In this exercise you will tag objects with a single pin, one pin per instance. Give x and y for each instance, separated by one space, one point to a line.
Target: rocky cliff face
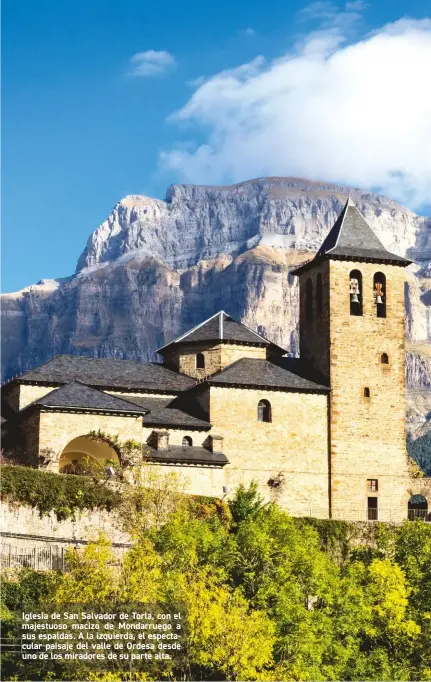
155 268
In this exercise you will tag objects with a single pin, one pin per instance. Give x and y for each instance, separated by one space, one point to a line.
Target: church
324 434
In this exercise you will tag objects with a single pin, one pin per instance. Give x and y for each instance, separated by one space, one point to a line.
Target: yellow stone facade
217 357
368 434
337 452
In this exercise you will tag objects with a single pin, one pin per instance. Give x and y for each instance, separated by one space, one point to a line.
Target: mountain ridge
155 268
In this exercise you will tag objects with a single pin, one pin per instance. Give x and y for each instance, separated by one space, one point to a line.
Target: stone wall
57 429
196 480
183 358
176 435
367 433
28 447
26 521
314 339
29 393
293 448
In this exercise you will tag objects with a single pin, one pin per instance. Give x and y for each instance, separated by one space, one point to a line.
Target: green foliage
48 492
125 450
263 596
420 451
246 503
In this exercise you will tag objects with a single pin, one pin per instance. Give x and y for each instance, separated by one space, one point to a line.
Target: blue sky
84 124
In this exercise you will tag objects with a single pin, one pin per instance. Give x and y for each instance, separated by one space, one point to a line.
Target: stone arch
379 293
417 508
264 411
355 290
418 486
81 453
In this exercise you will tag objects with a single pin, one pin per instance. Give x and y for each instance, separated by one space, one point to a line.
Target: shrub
48 492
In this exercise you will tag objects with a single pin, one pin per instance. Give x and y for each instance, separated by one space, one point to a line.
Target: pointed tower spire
352 238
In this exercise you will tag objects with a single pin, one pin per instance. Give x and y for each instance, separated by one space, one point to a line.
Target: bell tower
352 332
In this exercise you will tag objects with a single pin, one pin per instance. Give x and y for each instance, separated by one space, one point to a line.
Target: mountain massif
155 268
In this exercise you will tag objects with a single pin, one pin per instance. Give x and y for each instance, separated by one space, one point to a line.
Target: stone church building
324 434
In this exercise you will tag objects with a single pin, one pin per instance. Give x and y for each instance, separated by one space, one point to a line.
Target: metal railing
423 514
44 554
366 514
44 558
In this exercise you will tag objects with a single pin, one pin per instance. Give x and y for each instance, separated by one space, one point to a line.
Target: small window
319 294
309 301
373 509
367 392
379 293
372 484
356 293
187 442
264 411
384 359
200 361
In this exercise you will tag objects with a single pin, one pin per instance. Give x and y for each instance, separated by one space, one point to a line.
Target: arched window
384 359
356 293
200 361
367 392
319 294
417 508
264 411
309 301
379 292
187 442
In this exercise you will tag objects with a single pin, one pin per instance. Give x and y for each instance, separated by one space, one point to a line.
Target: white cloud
357 112
151 63
248 32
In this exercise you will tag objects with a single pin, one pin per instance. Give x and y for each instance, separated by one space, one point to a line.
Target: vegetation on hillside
263 596
420 451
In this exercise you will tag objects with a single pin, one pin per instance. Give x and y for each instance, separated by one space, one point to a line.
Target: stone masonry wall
23 520
176 435
28 451
217 357
10 394
314 333
294 445
29 393
368 435
197 480
57 429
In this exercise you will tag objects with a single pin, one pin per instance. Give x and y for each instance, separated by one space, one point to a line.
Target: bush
47 492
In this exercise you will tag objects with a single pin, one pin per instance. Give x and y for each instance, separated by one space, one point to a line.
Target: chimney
161 439
216 444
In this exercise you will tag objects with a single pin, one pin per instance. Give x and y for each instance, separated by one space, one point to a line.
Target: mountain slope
155 268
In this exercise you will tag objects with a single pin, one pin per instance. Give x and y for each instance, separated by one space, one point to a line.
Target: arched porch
84 455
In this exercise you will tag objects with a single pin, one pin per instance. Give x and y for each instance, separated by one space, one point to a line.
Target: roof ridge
343 213
179 338
92 389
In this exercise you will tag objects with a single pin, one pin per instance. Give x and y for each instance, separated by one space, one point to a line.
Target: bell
379 299
355 298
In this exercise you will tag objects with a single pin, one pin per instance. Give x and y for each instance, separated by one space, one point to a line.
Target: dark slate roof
351 237
221 327
109 373
161 414
254 372
78 396
176 454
